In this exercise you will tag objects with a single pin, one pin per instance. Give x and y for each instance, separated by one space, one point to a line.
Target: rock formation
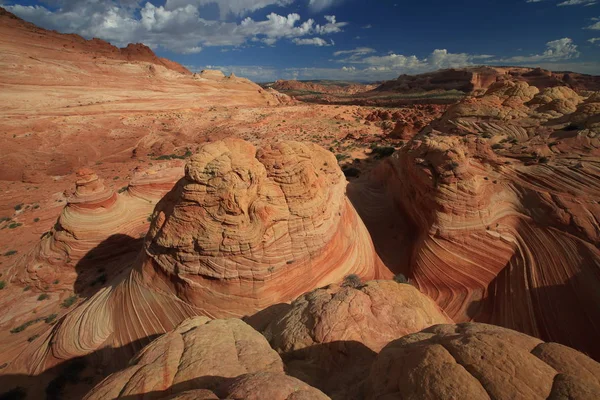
478 361
329 337
203 357
96 225
244 229
488 214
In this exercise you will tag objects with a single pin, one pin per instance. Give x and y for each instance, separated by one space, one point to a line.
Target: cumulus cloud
228 7
177 26
561 49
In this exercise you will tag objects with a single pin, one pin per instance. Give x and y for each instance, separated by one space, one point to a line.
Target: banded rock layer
243 230
492 211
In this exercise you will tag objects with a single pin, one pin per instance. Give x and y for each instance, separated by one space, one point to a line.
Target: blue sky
338 39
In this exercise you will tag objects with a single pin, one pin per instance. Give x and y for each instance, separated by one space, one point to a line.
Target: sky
356 40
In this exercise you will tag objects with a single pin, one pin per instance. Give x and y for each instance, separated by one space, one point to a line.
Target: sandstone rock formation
478 361
473 80
200 357
244 229
486 212
329 337
95 216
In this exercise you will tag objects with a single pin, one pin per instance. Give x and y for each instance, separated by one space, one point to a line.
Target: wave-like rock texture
492 211
479 361
97 225
243 230
207 358
330 336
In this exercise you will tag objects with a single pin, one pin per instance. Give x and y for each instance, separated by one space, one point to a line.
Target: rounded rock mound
246 229
205 359
330 336
479 361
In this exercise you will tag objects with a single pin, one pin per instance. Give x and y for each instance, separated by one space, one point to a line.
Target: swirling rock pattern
95 216
243 230
330 336
488 214
475 361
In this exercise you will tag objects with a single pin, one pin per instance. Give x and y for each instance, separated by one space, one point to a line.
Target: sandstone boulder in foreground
331 335
203 359
479 361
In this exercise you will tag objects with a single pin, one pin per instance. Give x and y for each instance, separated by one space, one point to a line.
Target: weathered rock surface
243 230
330 336
201 359
478 361
492 211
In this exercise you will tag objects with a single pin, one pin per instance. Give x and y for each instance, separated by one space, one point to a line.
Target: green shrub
36 220
50 318
32 338
543 160
496 146
2 285
353 281
43 296
69 301
14 225
400 278
24 326
10 253
18 207
26 288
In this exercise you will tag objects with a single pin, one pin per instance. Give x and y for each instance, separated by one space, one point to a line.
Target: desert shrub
69 301
43 296
26 288
486 135
10 253
400 278
14 225
2 284
25 325
36 220
543 160
352 281
18 207
496 146
32 338
382 152
50 318
341 157
513 141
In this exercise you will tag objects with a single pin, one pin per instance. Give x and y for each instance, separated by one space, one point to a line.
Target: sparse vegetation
43 296
2 284
50 318
69 301
400 278
32 338
123 189
14 225
10 253
352 281
543 160
36 220
26 288
497 146
25 325
486 135
18 207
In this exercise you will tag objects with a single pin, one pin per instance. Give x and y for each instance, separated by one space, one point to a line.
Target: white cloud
177 26
316 41
596 26
594 40
556 50
229 7
578 3
319 5
359 51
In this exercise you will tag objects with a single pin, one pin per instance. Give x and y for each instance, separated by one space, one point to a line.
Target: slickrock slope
492 211
244 229
330 336
478 361
203 357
